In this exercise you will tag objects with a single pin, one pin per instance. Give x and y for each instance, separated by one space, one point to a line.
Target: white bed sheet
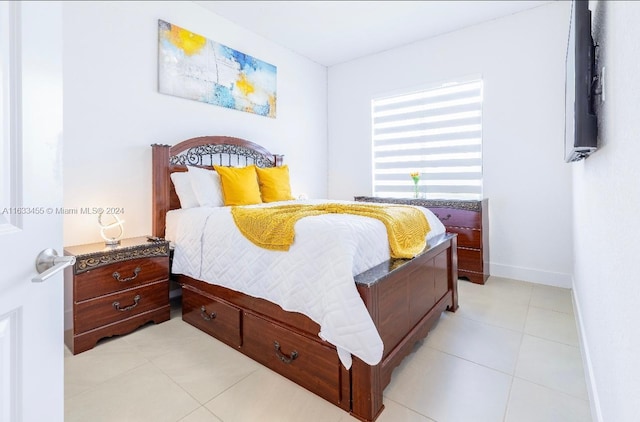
315 277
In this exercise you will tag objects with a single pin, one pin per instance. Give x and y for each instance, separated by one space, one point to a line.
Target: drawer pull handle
136 300
444 218
205 315
116 275
284 358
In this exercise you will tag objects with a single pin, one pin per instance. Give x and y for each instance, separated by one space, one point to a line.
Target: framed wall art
191 66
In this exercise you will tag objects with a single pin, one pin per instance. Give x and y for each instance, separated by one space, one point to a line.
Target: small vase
416 193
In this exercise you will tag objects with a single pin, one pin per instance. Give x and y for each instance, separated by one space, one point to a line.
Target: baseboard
532 275
594 402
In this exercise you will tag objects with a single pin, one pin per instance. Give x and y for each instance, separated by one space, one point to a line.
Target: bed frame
404 297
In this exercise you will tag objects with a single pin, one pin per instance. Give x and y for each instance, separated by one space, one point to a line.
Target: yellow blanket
273 227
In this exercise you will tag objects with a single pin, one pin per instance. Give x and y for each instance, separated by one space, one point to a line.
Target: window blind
435 132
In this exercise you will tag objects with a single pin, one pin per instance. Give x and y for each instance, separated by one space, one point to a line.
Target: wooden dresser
115 289
469 219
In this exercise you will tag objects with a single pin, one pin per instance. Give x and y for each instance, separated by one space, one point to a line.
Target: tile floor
510 353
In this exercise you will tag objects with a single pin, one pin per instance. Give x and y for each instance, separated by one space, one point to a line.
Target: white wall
607 223
521 60
113 111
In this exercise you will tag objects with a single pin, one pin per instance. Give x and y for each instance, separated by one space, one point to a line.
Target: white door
31 314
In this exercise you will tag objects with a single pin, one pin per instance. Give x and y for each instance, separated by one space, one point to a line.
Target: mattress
315 277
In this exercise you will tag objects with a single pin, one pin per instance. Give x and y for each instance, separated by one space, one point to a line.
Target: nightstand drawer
120 275
470 260
469 238
458 218
105 310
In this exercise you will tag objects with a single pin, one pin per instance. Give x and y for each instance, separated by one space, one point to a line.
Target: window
435 132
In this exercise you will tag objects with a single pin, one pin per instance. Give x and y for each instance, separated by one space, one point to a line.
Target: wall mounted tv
581 132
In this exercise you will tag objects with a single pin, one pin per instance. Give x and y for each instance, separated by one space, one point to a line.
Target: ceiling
333 32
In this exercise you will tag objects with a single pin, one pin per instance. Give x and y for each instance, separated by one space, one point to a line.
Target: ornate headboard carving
204 151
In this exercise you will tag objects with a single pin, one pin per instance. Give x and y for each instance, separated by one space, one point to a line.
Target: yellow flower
415 175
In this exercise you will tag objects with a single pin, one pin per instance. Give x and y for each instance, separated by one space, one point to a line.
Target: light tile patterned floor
510 354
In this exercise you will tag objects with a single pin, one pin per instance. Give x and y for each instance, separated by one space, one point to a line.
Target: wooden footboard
404 297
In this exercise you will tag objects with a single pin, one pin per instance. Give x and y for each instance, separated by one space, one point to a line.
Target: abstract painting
191 66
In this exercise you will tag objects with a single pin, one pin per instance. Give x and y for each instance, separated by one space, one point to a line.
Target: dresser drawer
294 356
119 276
470 260
212 316
458 218
105 310
470 238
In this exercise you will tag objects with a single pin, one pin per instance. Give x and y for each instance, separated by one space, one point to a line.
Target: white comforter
315 277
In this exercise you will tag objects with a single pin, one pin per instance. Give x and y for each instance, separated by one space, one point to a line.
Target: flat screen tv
581 132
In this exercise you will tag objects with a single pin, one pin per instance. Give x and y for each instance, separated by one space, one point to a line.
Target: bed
397 300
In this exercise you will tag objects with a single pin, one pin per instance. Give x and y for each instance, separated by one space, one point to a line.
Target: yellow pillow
274 183
239 185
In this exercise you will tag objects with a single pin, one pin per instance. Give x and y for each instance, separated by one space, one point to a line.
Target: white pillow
186 195
206 186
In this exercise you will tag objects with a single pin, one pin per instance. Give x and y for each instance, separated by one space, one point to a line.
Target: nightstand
115 289
469 219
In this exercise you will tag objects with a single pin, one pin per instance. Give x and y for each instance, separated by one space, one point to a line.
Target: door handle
49 263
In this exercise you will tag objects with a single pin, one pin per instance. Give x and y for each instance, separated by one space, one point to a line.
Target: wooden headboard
204 151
